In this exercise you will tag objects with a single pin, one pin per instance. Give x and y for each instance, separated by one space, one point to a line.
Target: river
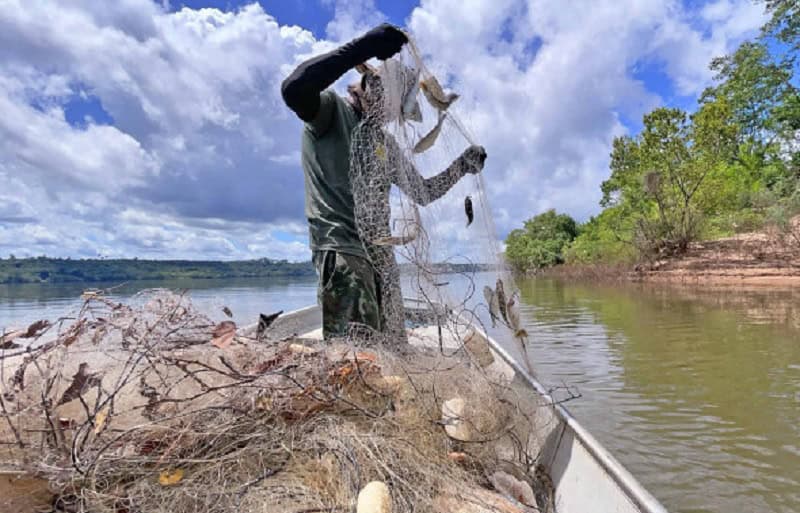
696 390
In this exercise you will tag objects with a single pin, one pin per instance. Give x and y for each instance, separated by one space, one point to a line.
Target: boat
586 477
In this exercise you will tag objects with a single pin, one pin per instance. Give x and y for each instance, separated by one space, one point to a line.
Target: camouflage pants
348 292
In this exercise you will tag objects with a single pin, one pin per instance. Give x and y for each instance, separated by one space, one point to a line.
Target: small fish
435 94
491 301
501 300
513 314
265 321
227 311
427 141
468 210
410 109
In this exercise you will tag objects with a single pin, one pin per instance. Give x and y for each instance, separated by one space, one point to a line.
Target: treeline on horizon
66 270
731 166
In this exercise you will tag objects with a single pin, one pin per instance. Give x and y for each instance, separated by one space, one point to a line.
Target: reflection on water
695 390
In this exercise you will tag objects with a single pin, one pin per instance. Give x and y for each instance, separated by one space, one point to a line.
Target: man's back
326 163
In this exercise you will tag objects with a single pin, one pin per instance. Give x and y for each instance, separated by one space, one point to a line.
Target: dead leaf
66 423
19 375
265 321
99 333
100 420
35 329
363 355
170 477
223 334
80 382
73 333
7 340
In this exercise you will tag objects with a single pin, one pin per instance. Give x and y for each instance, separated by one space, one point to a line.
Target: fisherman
350 285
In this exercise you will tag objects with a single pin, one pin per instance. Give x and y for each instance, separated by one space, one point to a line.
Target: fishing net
149 406
421 206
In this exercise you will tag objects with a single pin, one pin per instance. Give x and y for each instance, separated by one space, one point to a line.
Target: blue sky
130 129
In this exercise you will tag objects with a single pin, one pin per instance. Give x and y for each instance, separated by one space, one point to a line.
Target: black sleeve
302 88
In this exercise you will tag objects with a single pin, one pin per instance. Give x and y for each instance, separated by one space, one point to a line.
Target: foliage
542 241
730 166
600 240
57 270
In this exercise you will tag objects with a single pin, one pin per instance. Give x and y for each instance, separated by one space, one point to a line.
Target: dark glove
473 159
385 41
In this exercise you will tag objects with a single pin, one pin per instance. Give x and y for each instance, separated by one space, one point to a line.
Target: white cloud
202 160
547 85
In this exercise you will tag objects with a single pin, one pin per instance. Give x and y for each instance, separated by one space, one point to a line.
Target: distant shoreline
46 270
66 270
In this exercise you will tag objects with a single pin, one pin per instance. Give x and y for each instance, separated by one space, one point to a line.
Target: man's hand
385 41
473 159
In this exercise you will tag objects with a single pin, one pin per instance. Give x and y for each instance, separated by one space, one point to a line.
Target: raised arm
302 88
426 190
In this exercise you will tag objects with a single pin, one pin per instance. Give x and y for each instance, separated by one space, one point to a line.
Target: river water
696 390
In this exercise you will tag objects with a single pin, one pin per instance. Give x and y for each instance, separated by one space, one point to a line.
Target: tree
541 242
754 85
785 22
657 177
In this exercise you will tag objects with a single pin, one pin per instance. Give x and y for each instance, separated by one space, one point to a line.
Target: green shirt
326 164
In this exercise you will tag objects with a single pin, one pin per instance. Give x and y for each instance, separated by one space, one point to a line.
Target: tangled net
410 157
151 407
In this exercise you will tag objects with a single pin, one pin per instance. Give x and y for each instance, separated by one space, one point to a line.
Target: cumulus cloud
548 86
201 158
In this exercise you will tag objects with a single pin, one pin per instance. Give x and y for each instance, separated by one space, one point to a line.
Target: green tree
541 242
754 85
785 22
657 177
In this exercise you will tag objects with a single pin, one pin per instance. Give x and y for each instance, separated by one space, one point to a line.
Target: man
352 288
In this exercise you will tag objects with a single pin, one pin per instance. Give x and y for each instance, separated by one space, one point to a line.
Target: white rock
374 498
476 501
514 488
455 425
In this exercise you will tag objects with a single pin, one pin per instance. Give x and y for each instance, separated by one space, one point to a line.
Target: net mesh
413 166
150 406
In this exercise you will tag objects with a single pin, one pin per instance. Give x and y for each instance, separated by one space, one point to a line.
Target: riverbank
748 259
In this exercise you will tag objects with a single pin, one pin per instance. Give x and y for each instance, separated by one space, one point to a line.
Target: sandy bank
746 259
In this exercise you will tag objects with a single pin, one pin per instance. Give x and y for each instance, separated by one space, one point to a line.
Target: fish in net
408 154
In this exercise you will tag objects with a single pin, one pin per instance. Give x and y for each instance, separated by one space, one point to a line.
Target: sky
155 129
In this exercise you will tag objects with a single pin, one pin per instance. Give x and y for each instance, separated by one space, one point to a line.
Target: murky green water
695 390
